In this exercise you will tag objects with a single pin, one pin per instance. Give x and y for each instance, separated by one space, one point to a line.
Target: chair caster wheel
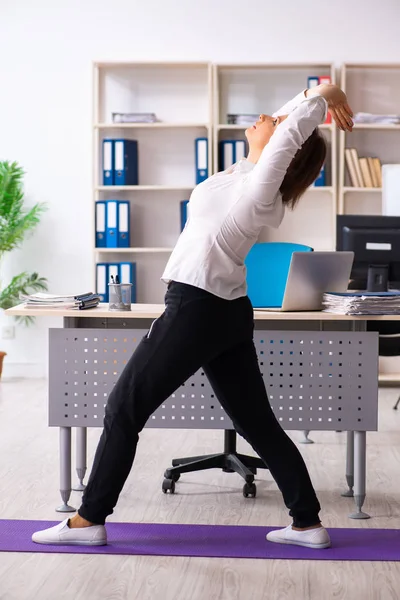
175 476
168 486
249 490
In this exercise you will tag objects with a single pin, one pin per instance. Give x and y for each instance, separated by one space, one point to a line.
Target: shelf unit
373 88
190 100
180 94
263 88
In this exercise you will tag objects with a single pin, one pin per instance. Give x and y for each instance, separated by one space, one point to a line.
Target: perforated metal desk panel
315 380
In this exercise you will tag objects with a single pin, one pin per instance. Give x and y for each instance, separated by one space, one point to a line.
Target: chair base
229 461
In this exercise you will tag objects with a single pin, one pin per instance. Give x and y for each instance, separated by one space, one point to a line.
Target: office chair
267 270
389 340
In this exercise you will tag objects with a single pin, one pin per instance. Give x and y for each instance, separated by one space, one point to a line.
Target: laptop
311 274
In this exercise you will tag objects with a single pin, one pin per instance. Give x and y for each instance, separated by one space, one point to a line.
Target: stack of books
362 303
363 171
79 302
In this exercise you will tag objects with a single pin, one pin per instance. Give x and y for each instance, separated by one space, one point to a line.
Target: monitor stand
378 278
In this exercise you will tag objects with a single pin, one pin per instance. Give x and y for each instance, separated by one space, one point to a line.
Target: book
374 174
356 164
378 170
351 168
365 172
43 300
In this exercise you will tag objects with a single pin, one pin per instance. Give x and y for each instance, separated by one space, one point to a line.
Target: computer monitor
375 241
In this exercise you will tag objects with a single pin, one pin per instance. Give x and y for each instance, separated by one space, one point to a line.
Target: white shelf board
350 189
143 250
143 188
279 66
320 188
222 127
160 125
376 126
150 64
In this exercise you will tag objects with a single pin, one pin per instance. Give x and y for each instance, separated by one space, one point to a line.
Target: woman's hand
337 104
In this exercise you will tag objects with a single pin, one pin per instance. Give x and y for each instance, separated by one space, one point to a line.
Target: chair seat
267 269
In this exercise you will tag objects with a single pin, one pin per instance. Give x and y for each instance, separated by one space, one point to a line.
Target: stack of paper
362 303
42 300
134 117
376 119
242 119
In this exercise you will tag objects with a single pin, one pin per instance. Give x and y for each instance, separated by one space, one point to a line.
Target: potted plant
15 224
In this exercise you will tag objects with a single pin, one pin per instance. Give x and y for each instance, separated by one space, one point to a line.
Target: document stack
80 302
135 117
373 119
242 119
362 303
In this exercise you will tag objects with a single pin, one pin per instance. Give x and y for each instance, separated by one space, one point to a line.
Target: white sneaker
61 534
317 538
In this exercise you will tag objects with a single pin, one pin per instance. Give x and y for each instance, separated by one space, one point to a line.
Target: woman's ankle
77 522
316 526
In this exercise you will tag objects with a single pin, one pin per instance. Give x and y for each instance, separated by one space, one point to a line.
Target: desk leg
65 469
81 445
306 439
350 465
360 456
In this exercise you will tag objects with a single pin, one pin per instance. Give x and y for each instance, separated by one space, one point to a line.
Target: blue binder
100 224
312 81
124 233
226 154
201 152
184 213
127 274
111 223
321 180
125 162
102 281
108 162
230 152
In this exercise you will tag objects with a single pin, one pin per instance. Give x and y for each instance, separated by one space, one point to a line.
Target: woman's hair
304 169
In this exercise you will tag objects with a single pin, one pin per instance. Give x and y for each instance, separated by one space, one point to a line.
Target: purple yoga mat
208 540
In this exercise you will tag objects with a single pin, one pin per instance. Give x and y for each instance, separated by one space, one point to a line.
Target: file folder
100 224
312 82
226 154
124 224
320 181
184 213
101 281
201 152
127 274
111 223
108 161
230 152
113 271
240 150
125 162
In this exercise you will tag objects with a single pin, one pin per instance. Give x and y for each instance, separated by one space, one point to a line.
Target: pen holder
119 295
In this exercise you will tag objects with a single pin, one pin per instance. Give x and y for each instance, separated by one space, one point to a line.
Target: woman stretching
208 321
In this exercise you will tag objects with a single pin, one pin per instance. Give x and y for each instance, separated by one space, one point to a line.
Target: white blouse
227 211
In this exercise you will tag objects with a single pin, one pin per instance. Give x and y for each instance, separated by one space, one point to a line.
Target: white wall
45 97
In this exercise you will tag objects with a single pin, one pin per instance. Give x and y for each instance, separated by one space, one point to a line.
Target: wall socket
8 332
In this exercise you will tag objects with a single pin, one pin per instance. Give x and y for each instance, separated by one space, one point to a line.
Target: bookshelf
263 88
191 100
180 94
373 88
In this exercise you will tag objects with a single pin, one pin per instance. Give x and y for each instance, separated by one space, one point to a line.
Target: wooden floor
29 490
